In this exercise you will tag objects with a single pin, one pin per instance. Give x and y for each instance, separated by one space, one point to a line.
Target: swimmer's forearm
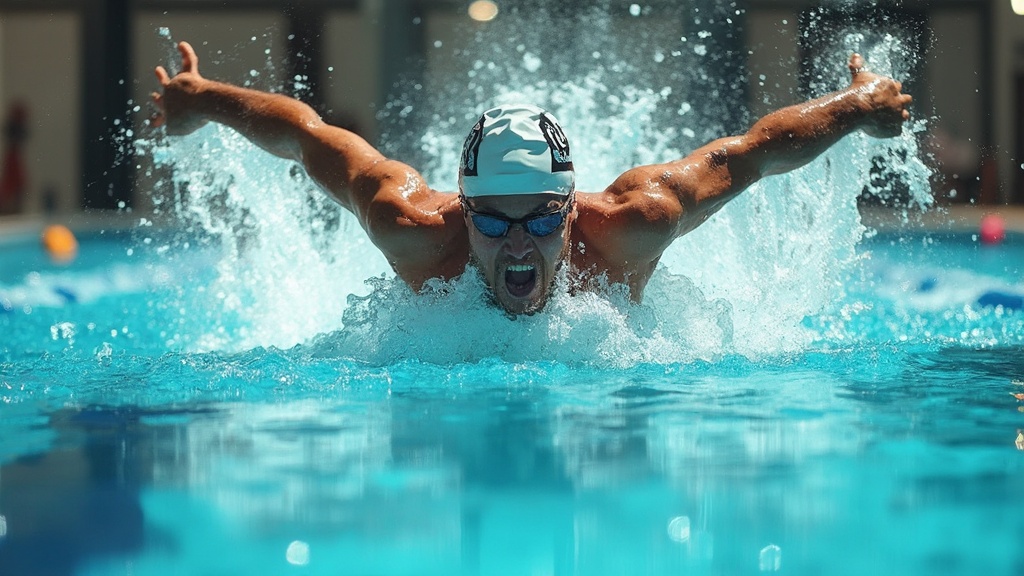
273 122
290 129
782 141
792 137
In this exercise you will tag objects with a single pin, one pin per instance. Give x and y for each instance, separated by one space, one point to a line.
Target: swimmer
518 218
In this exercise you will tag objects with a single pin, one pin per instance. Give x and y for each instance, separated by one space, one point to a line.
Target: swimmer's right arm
342 162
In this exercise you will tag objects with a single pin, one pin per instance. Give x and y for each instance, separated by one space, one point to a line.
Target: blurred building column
306 49
1007 41
106 89
400 42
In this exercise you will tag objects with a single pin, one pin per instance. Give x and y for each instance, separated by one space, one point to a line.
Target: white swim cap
516 149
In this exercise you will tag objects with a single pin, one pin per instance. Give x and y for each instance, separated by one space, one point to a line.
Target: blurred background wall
78 68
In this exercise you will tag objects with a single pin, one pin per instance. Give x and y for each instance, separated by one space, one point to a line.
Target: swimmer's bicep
710 177
335 158
636 218
413 230
356 173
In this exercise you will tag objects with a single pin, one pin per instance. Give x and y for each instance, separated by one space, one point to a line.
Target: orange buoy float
60 243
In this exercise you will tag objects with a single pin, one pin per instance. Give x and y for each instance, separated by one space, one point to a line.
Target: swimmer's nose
520 244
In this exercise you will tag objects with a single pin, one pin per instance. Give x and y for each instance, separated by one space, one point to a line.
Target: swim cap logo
561 159
471 149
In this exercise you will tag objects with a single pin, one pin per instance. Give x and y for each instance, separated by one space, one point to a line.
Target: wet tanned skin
518 255
618 233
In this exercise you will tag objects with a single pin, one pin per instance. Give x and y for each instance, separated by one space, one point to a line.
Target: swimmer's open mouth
520 279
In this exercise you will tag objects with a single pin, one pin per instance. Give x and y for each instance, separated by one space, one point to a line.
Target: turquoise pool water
885 445
246 389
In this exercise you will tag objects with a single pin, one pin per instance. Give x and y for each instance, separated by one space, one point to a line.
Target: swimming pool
249 390
885 446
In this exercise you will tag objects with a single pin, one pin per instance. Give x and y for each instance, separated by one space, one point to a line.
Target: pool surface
890 444
246 388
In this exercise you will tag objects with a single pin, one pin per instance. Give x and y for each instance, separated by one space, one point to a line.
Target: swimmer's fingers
157 118
905 100
162 76
189 60
856 64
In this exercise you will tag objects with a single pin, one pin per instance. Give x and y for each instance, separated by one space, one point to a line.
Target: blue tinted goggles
494 226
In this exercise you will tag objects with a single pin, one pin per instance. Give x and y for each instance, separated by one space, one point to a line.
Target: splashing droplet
770 559
679 529
298 553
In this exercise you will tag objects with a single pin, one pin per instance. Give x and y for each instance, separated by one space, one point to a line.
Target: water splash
293 264
455 322
288 254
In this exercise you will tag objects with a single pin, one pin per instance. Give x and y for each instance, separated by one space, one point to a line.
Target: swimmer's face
519 267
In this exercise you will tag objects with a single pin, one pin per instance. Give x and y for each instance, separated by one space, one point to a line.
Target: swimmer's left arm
784 140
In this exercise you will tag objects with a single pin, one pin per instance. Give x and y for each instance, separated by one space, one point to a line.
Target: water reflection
80 499
685 470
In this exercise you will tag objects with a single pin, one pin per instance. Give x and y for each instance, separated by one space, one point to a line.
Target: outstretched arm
343 163
665 201
791 137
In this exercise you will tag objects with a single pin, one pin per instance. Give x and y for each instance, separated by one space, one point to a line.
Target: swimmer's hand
884 103
173 103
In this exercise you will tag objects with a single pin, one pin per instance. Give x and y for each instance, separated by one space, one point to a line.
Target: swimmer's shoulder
420 213
631 222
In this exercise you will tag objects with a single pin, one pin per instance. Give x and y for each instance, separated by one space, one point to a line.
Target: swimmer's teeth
520 268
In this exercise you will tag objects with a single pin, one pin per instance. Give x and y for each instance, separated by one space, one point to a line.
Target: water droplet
634 9
679 528
105 351
298 553
770 559
531 62
3 526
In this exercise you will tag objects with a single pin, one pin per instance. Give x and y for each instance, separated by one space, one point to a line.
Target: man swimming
518 218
